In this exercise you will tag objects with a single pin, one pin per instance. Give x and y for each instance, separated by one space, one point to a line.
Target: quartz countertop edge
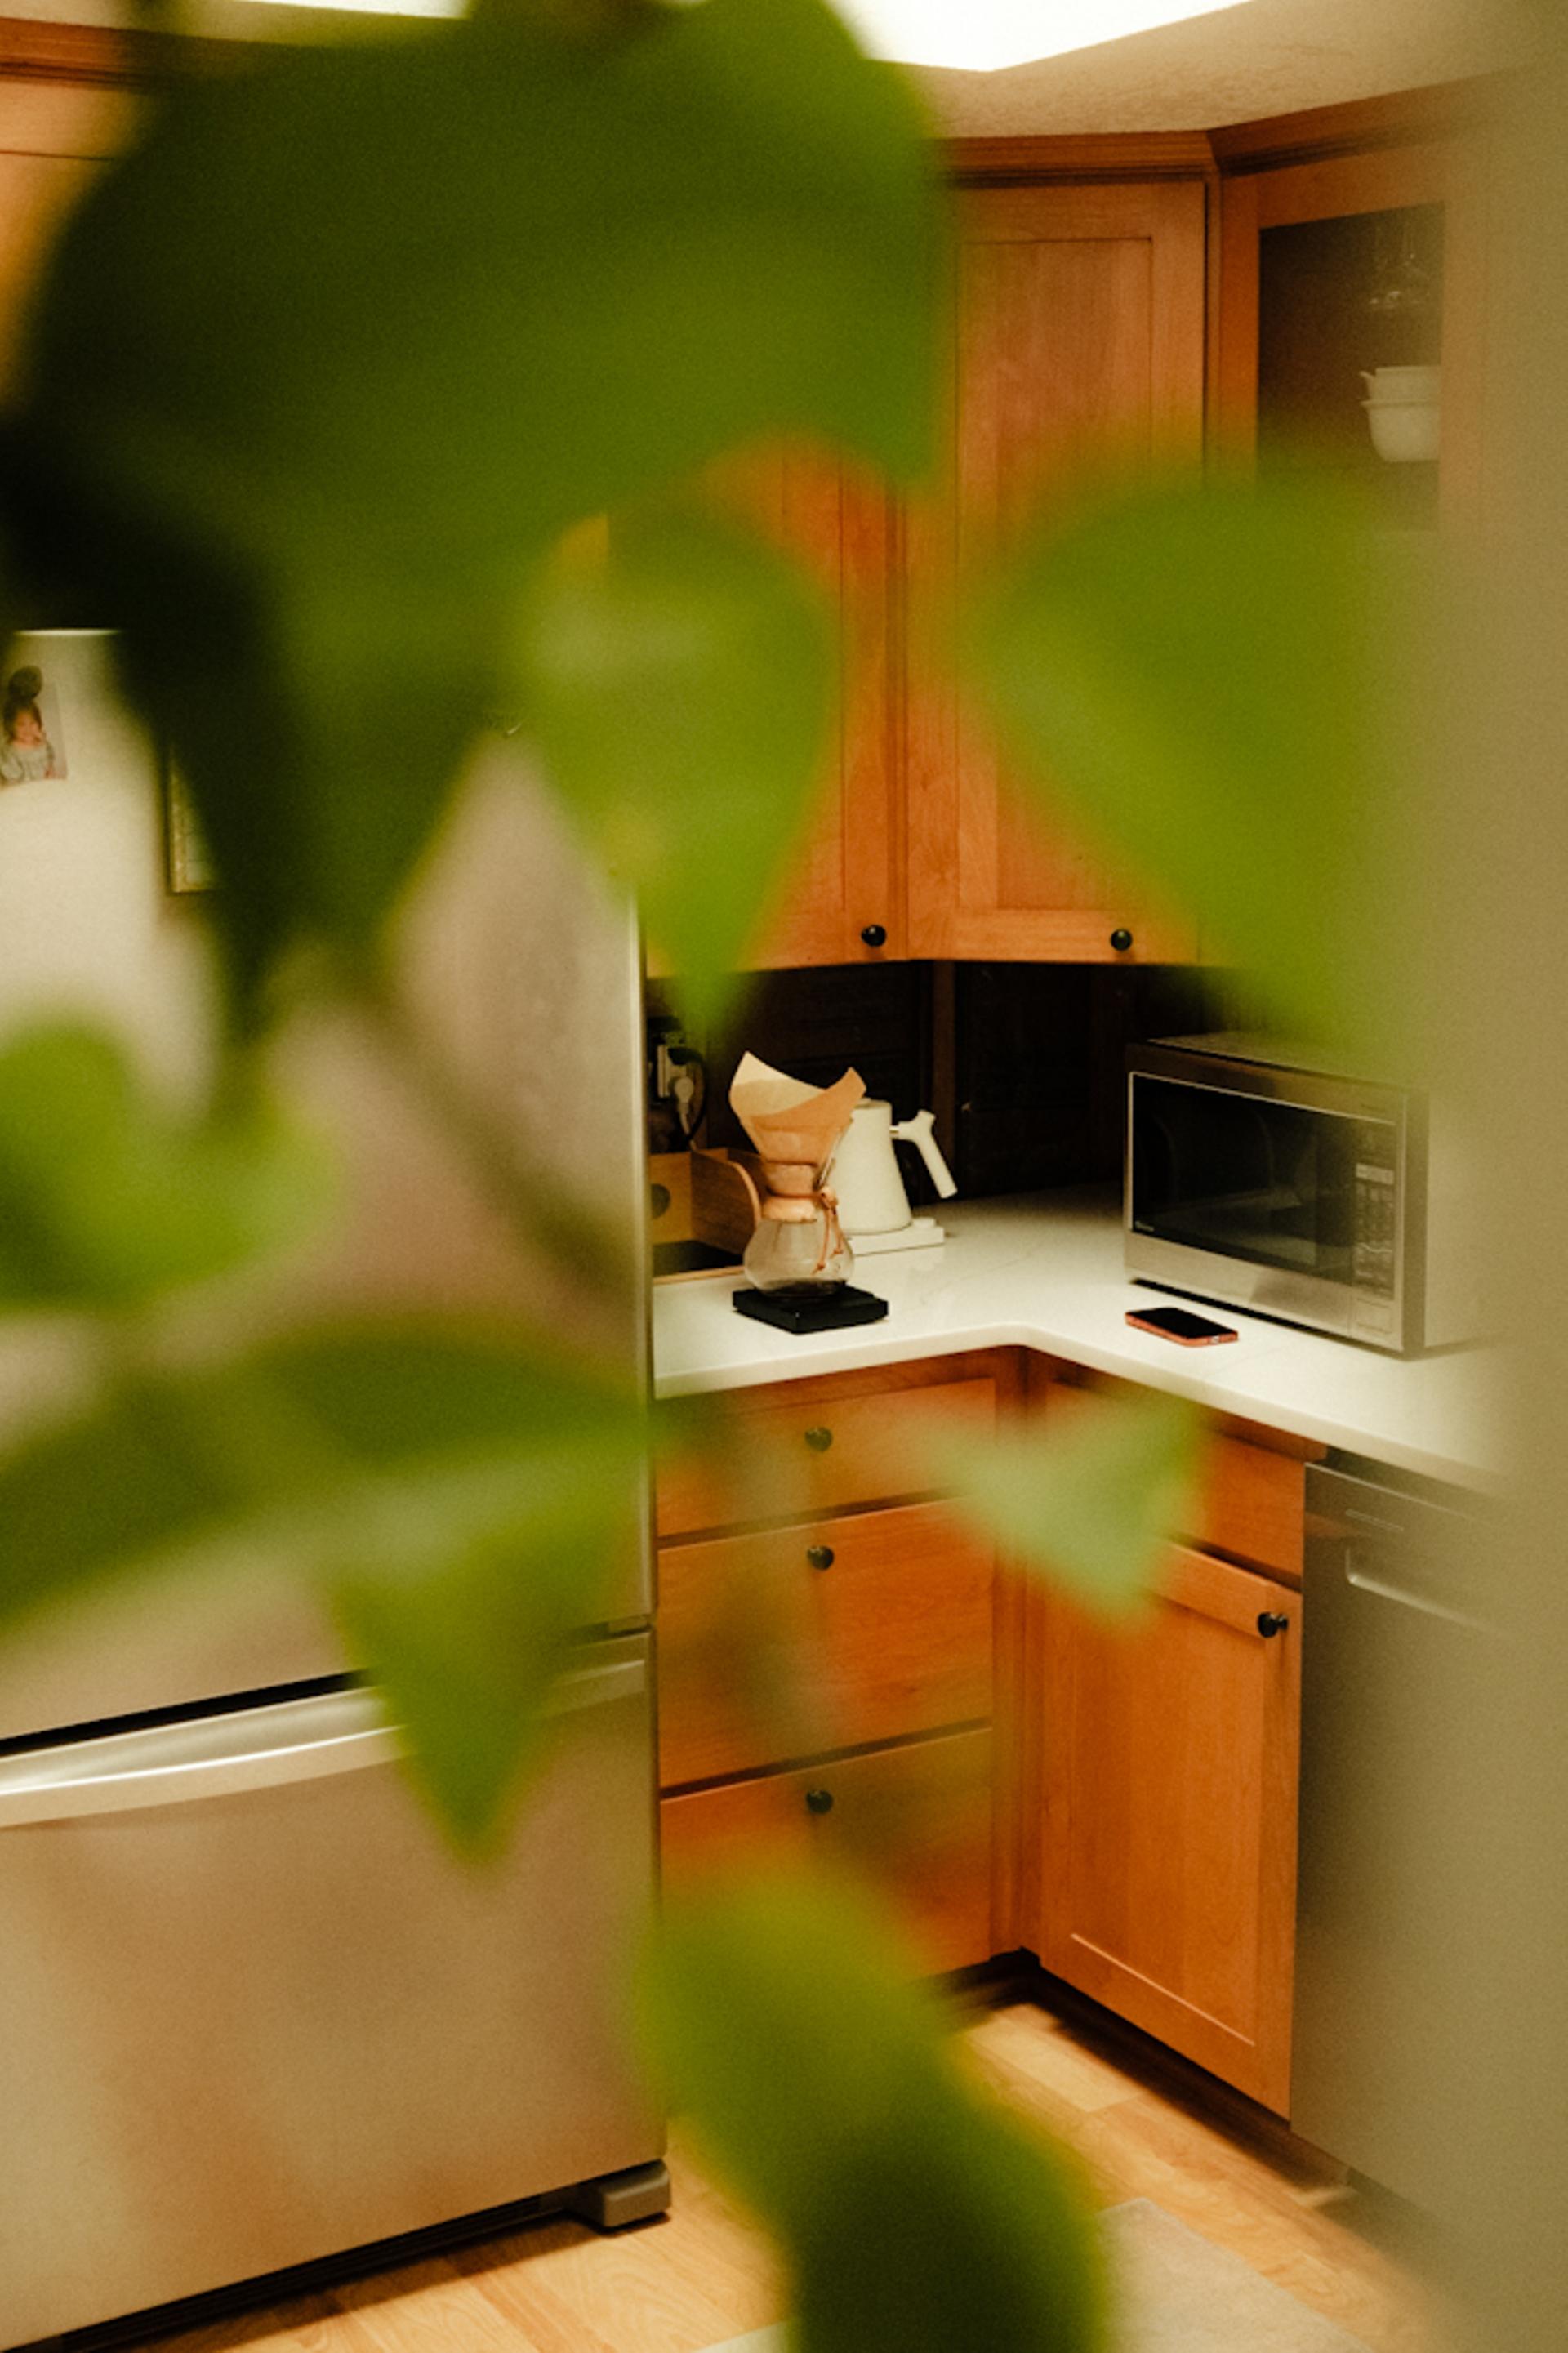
1044 1272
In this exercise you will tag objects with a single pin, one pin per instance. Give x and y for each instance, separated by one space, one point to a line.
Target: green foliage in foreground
463 1501
916 2216
1091 1509
690 624
323 371
107 1199
1199 670
325 366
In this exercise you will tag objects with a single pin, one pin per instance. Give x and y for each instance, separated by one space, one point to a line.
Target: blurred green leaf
467 1631
679 688
107 1199
464 1500
916 2217
1092 1507
323 366
1201 673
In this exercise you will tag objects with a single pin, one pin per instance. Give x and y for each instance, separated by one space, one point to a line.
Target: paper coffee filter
786 1119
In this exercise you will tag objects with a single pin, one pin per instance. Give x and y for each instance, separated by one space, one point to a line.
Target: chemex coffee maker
824 1170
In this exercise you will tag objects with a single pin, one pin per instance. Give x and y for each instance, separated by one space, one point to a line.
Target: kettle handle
919 1132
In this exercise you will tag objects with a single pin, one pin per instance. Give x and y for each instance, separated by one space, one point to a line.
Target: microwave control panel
1375 1259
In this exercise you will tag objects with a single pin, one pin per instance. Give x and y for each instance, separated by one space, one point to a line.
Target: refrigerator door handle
252 1748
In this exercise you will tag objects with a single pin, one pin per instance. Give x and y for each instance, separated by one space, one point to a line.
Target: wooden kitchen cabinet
862 1628
912 1820
836 1652
1158 1873
1166 1835
1352 238
809 1447
66 103
842 900
1079 358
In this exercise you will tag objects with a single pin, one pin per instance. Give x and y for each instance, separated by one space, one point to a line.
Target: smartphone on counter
1179 1323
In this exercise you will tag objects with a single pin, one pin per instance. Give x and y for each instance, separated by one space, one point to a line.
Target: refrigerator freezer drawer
256 2013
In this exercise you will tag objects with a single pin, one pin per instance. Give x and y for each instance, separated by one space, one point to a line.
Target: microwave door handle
333 1732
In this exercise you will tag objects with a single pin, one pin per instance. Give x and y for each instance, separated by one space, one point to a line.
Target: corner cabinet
1077 355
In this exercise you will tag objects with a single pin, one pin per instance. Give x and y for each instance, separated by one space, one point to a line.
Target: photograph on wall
32 740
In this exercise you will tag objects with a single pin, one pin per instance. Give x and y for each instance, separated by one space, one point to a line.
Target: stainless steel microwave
1268 1180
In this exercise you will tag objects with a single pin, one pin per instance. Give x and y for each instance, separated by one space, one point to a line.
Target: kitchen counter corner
1044 1272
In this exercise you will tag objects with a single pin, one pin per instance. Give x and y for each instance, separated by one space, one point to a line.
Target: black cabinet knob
874 935
818 1438
1121 939
1270 1623
819 1555
819 1801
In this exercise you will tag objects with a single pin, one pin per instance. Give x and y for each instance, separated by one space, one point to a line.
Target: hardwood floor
703 2274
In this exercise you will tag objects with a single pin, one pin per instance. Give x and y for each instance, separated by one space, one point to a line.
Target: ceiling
1270 56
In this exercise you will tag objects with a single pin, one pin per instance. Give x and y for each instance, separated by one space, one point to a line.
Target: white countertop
1044 1272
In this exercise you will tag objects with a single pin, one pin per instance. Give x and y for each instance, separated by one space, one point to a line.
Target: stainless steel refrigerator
254 2016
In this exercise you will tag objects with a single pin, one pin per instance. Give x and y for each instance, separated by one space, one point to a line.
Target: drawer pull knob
1121 939
818 1438
819 1555
1270 1623
874 935
819 1801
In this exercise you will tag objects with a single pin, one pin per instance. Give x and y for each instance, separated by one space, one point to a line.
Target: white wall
87 926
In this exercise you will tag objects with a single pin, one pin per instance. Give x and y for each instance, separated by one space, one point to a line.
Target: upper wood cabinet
1078 355
1348 245
842 899
54 136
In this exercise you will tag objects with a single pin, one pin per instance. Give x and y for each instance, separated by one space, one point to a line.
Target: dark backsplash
1039 1054
1024 1064
819 1022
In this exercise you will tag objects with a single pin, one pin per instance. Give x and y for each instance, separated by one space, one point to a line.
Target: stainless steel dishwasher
1394 1638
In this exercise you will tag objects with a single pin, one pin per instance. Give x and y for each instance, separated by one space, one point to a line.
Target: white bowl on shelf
1402 385
1405 432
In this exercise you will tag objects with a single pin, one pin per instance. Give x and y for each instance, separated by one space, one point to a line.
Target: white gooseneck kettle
873 1207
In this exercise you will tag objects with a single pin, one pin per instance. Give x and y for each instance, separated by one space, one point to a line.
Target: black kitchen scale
802 1307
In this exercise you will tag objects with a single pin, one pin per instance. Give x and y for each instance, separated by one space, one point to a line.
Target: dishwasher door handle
250 1749
1381 1589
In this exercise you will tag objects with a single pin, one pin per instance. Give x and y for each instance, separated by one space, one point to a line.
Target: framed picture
188 865
32 734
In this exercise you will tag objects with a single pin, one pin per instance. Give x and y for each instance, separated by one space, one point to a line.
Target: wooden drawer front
795 1461
1254 1504
829 1634
1252 1499
1167 1859
914 1821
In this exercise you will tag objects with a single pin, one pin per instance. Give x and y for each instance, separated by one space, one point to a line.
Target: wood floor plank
630 2288
434 2310
1043 2049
